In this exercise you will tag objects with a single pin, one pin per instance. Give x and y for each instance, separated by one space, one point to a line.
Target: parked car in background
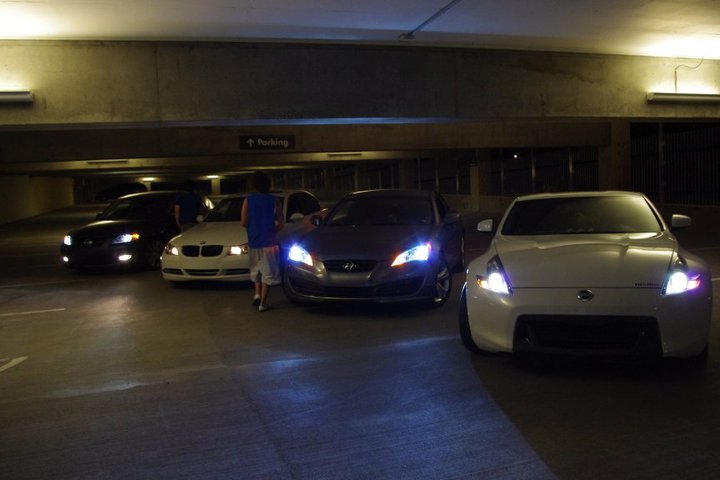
217 248
378 246
587 273
119 190
130 232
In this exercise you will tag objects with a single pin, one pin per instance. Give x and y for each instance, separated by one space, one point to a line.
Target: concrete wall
22 196
165 104
98 82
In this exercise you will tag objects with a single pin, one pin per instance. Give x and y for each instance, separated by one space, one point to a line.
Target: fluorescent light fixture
16 97
108 160
683 97
213 177
148 179
344 154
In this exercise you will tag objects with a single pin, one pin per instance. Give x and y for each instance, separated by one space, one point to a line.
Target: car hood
213 233
104 227
608 260
364 242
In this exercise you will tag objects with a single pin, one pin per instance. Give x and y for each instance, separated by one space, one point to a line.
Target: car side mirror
296 217
678 222
485 226
316 220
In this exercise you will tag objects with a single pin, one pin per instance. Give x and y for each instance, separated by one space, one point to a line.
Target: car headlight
420 253
171 249
494 279
126 238
239 249
679 280
67 240
300 255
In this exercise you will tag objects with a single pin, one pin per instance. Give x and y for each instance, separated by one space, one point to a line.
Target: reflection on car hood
213 233
608 260
102 227
364 242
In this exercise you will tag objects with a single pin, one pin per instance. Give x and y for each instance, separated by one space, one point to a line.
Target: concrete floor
126 376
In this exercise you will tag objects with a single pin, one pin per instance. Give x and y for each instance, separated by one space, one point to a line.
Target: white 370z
587 273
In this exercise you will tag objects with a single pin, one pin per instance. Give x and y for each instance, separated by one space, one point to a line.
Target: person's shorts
264 265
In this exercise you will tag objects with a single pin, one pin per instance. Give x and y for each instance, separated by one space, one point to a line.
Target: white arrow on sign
250 142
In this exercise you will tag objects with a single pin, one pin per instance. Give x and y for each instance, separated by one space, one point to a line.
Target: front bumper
221 268
617 321
380 284
121 255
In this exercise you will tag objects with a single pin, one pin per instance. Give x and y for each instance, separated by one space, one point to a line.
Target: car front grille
399 288
89 242
587 334
237 271
202 251
210 272
211 250
383 290
349 266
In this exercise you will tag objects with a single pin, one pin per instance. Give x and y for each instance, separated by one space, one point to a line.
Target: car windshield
382 211
138 208
578 215
228 210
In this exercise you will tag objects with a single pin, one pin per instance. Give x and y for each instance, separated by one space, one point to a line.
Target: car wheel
443 285
152 254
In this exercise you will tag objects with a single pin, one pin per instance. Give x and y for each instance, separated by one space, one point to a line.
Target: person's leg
264 290
270 274
255 275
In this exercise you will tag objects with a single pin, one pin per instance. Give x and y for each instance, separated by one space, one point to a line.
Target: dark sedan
131 232
379 246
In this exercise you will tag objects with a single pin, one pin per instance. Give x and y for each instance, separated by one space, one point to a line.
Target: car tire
152 254
464 324
443 285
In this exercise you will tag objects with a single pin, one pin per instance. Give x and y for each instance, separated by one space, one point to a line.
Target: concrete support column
480 173
406 171
614 159
215 186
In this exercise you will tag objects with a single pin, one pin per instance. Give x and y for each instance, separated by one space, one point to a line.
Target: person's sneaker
256 300
262 308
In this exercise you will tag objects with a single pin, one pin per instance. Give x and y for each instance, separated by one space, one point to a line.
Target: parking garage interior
122 375
177 110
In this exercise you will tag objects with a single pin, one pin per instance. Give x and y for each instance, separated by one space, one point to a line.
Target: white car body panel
224 267
585 260
580 278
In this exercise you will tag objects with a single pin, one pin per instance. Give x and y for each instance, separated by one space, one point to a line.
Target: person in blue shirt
188 205
262 216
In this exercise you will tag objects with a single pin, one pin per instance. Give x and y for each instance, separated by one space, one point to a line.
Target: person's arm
244 214
202 208
279 220
177 214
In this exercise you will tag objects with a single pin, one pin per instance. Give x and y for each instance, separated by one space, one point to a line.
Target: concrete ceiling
671 28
